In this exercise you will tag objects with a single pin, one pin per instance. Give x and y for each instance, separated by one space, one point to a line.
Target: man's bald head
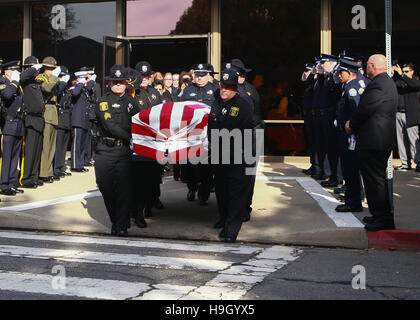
376 64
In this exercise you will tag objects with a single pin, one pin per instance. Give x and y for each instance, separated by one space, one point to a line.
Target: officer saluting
34 123
347 106
230 111
113 154
13 128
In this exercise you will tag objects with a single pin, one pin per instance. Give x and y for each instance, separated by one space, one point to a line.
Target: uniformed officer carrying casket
230 112
113 154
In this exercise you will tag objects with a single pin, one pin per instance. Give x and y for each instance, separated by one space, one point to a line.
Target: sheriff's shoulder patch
103 106
352 92
234 111
107 115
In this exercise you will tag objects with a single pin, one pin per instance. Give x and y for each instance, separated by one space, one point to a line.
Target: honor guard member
248 88
94 94
148 97
113 171
34 107
326 93
49 81
308 79
230 112
64 123
199 176
13 128
347 106
80 120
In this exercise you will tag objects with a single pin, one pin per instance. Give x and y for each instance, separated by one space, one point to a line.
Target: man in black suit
374 126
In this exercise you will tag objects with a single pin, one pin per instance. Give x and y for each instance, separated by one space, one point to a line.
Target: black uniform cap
144 67
352 56
211 68
13 65
30 61
328 57
240 65
118 72
135 78
348 65
229 76
202 69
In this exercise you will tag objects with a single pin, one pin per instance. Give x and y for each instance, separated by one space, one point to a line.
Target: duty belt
18 115
112 142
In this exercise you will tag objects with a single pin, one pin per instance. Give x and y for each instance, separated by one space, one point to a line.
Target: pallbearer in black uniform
230 111
12 127
199 176
64 123
113 154
347 106
148 97
34 123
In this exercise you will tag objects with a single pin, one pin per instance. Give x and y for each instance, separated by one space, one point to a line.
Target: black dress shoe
191 195
158 204
229 239
148 212
17 190
342 198
113 231
308 171
40 183
8 192
60 174
368 219
377 225
140 222
222 233
330 183
339 190
347 208
219 224
122 233
67 173
29 185
47 179
318 176
56 177
79 170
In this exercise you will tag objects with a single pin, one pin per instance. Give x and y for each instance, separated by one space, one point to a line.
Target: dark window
73 32
11 35
165 17
361 32
275 38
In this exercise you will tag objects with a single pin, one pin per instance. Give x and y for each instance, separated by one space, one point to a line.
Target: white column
326 26
216 38
27 30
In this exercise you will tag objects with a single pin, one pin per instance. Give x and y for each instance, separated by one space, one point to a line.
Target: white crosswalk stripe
232 269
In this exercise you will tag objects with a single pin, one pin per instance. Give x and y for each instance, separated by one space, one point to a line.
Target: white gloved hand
81 80
335 123
93 77
37 66
65 78
15 76
56 72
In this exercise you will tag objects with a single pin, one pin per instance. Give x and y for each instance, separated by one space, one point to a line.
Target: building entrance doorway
165 53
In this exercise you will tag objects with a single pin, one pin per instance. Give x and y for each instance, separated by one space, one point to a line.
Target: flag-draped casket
178 129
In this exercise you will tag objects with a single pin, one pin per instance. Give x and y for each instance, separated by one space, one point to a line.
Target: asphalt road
51 266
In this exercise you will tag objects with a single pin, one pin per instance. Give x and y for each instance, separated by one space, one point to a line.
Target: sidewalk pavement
288 208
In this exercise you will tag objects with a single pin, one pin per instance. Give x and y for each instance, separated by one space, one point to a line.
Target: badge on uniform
153 97
210 92
116 105
192 94
103 106
107 115
234 111
224 111
249 93
352 92
361 90
141 102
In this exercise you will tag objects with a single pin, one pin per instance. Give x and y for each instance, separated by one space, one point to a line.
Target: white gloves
56 72
37 66
15 76
93 77
81 80
65 78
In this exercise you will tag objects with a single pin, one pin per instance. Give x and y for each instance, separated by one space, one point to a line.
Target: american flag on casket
177 129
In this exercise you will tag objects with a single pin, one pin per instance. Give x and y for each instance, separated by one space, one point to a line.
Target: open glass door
114 51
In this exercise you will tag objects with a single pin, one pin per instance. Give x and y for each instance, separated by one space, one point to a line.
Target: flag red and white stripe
179 128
